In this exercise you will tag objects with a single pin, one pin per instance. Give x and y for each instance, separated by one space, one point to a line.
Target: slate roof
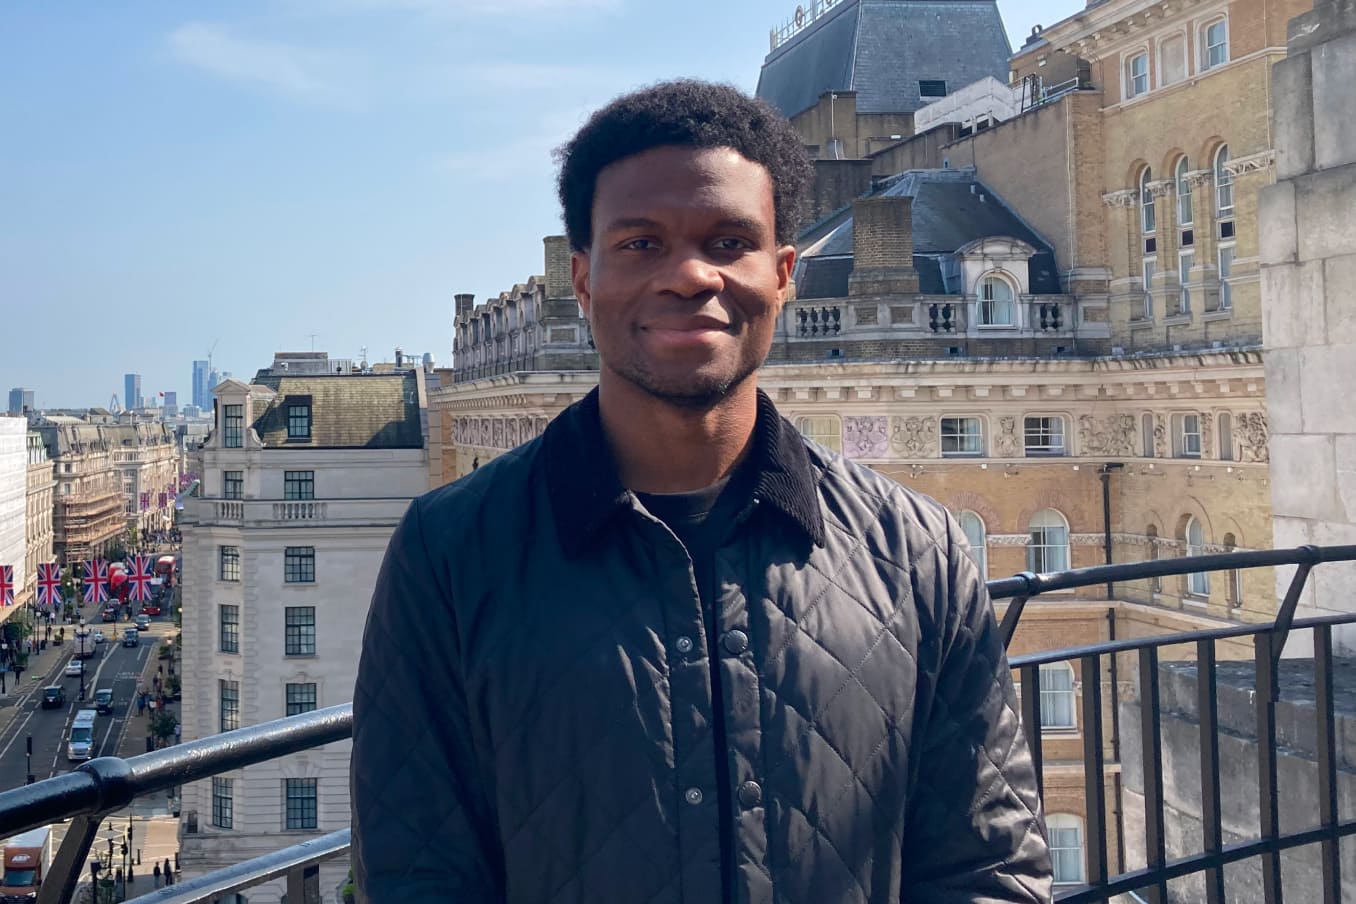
948 214
882 48
354 411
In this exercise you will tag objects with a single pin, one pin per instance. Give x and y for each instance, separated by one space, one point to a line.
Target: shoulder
480 499
868 493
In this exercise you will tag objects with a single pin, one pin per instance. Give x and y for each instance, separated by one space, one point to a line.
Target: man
671 651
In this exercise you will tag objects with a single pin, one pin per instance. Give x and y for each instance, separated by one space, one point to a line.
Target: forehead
671 180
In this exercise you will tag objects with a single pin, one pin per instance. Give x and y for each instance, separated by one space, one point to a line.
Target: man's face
684 279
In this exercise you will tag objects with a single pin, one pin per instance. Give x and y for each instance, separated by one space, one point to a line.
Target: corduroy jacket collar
586 490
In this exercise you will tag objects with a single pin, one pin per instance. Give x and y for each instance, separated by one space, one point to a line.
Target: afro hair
684 113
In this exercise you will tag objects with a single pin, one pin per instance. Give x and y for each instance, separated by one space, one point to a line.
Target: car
103 700
110 614
75 668
99 636
152 608
53 696
131 637
143 622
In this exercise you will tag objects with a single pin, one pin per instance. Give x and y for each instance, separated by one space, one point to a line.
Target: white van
80 744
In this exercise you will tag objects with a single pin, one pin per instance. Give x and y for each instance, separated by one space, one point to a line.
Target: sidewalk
34 677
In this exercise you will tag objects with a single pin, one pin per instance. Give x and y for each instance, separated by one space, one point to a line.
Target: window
931 87
1188 435
233 485
1224 184
1226 266
1146 429
299 420
1147 222
1136 75
300 794
223 803
298 484
1234 575
1049 547
228 692
995 302
1057 696
973 527
1215 44
228 621
1184 263
1183 192
230 563
1198 582
825 430
233 426
962 436
1066 847
1150 265
1225 445
299 628
1044 436
300 698
1155 551
299 565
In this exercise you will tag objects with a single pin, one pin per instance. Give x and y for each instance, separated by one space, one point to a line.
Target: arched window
1146 429
1224 184
1215 44
995 302
1049 547
1183 192
973 527
1235 574
1146 201
1155 552
824 429
1226 437
1066 847
1057 696
1198 582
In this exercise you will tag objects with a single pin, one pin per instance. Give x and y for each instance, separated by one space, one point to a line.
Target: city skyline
318 174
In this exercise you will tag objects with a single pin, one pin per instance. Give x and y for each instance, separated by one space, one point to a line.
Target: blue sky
250 173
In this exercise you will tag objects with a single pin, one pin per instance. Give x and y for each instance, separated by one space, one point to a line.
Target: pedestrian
141 703
156 874
776 670
177 732
169 873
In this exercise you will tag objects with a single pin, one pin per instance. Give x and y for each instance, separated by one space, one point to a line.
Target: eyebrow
738 223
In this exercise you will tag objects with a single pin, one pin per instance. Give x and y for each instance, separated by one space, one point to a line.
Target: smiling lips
687 331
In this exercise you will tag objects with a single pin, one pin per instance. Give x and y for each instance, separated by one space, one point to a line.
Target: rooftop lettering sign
805 14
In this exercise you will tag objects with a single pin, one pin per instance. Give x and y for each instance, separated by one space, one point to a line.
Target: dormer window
233 426
299 418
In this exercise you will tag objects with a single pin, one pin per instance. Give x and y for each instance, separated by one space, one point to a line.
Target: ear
786 265
579 278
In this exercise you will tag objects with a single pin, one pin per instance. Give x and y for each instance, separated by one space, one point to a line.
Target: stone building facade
146 459
13 504
41 494
90 512
303 479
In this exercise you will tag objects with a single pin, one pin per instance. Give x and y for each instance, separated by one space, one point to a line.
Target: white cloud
488 161
300 73
468 8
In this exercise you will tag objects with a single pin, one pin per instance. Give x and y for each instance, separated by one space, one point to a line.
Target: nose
690 274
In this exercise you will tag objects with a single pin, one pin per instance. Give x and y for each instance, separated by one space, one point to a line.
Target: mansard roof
882 49
354 411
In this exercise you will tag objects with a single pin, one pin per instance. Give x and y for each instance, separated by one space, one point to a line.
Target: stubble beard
696 392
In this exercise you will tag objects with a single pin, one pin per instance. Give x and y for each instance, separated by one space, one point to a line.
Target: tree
162 727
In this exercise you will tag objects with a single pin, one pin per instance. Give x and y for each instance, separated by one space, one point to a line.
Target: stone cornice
1200 178
1160 189
1262 160
1125 197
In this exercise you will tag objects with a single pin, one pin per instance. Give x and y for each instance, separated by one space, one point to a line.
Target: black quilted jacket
533 714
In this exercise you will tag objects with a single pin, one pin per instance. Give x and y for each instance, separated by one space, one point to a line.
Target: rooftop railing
103 785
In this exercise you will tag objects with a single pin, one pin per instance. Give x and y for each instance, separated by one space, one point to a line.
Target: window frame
1148 267
295 694
305 792
1225 270
299 418
1185 215
1198 582
298 486
986 307
1224 440
1224 184
1207 48
1046 449
1187 447
828 440
299 565
1185 261
223 802
1132 89
233 426
977 534
1066 822
1039 556
959 438
1146 436
1148 217
228 705
1164 47
299 633
232 484
931 82
228 563
228 629
1052 697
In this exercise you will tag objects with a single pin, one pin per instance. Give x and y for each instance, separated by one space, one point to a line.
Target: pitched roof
882 49
355 411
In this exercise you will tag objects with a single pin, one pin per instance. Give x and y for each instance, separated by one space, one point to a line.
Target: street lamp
82 634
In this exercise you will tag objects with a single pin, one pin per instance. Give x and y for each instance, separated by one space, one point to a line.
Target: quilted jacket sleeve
973 833
422 827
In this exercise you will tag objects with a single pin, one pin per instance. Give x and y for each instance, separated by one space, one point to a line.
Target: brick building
38 536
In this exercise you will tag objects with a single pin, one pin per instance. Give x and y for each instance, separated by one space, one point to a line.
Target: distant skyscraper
202 388
131 391
20 400
171 404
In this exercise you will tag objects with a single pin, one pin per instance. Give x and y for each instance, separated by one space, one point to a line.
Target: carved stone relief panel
865 437
1113 435
914 437
1207 435
1007 443
1250 430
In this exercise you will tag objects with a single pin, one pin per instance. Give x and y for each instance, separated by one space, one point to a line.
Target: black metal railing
103 785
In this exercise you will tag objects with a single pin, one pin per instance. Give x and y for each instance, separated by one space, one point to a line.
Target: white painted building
14 503
304 478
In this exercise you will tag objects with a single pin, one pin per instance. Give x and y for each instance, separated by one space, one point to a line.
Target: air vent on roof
834 353
954 351
931 87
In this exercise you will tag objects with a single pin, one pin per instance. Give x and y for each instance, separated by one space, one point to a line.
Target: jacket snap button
736 642
750 794
694 796
684 644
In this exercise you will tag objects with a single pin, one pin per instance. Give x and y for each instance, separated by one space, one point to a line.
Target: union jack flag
96 581
163 500
49 584
145 501
7 585
139 574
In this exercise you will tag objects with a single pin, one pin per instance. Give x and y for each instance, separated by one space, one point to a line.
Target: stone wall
1308 257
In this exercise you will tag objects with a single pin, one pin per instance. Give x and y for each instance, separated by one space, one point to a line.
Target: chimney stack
558 282
464 304
882 247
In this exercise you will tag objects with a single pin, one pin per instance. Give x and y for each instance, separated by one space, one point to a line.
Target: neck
664 448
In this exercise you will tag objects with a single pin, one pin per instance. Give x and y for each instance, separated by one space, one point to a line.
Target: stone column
1308 256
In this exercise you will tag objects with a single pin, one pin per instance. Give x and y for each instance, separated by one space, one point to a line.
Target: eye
732 243
639 244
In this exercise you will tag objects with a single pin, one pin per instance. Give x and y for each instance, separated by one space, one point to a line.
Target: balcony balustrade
92 790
